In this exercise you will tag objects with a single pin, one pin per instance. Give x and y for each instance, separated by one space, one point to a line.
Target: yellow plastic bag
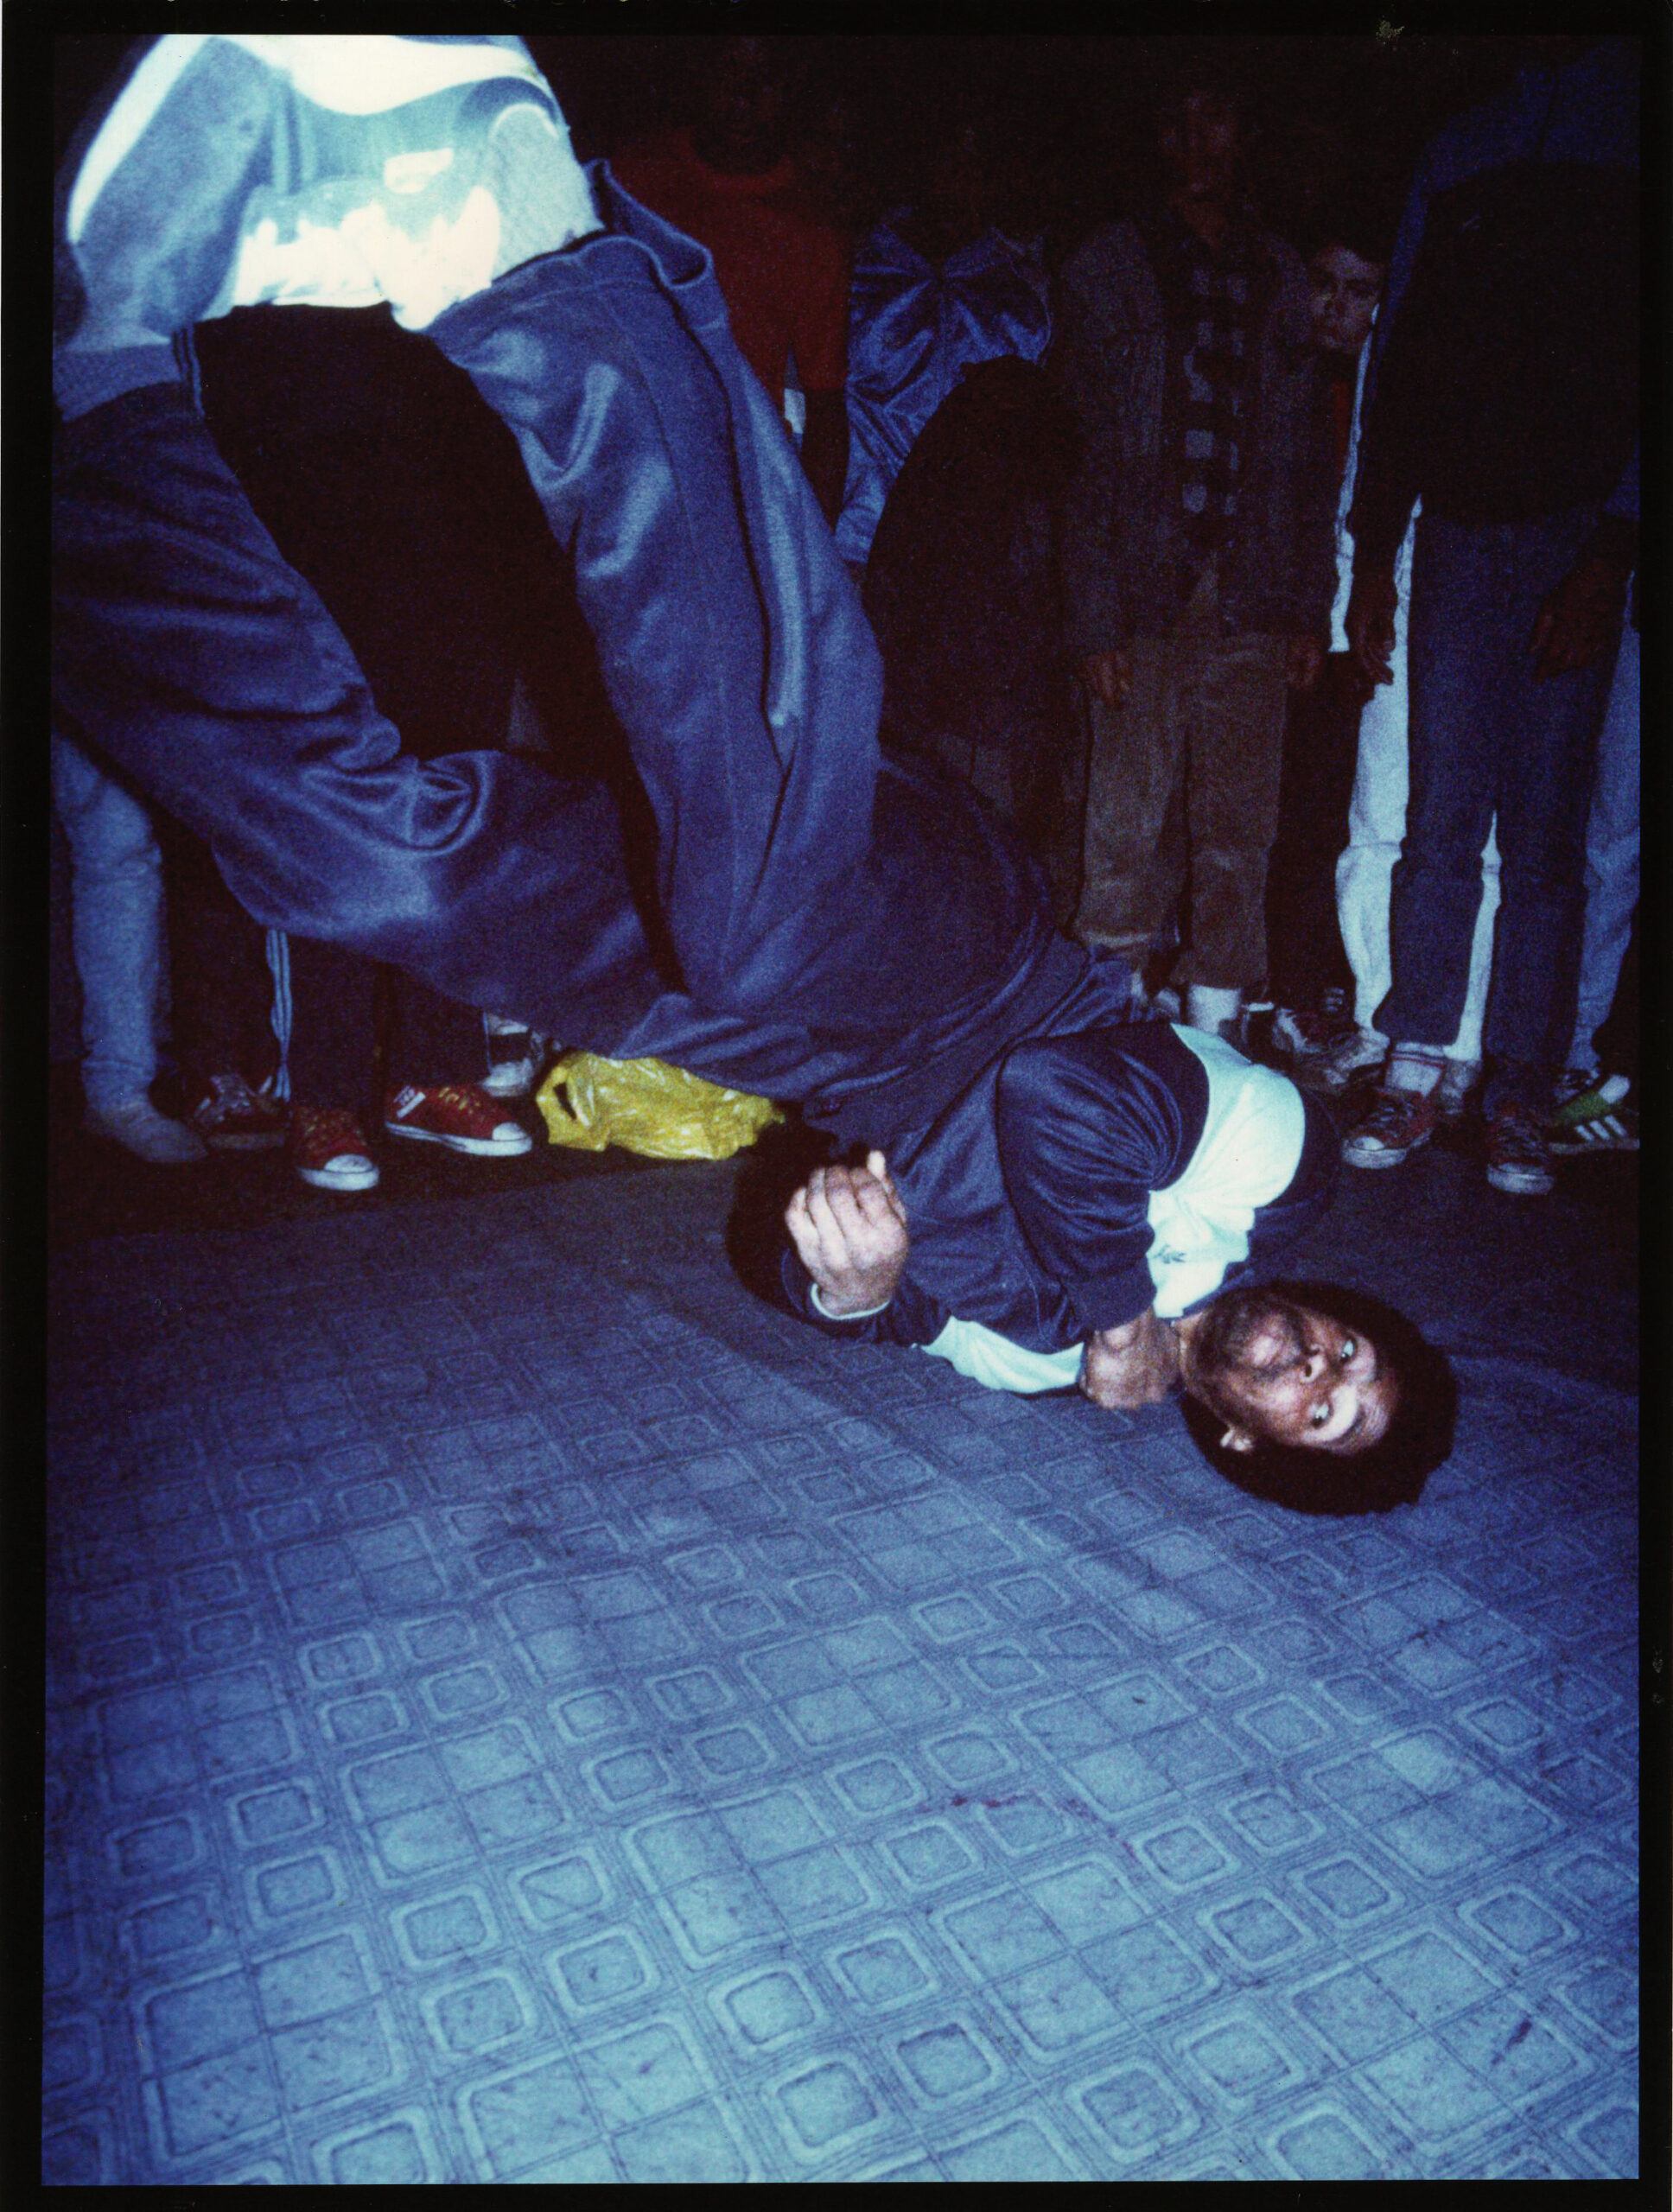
647 1107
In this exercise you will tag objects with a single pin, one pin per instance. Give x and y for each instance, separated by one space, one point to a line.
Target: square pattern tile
519 1710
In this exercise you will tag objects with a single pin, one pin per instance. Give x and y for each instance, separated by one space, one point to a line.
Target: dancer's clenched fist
850 1228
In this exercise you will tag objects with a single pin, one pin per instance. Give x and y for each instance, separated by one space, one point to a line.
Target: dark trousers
1305 953
1488 736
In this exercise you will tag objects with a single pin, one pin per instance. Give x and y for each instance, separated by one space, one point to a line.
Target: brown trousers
1183 794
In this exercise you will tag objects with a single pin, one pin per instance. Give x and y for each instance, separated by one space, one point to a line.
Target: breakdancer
828 927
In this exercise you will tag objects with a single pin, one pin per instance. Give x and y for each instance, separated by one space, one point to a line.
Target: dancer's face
1280 1373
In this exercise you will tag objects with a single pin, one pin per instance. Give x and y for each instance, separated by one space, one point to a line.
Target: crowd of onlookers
1279 589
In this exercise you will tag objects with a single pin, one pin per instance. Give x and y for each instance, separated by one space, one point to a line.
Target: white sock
1415 1067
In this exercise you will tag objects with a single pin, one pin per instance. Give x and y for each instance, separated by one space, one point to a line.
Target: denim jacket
1121 532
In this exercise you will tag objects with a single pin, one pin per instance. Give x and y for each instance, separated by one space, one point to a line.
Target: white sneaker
136 1126
233 169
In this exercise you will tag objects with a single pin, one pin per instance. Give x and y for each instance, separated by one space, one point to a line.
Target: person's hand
850 1228
1580 620
1371 622
1303 660
1108 677
1135 1364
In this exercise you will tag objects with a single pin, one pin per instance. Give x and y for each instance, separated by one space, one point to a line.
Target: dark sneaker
1306 1036
1592 1116
1399 1121
232 1117
461 1116
237 168
328 1149
1516 1159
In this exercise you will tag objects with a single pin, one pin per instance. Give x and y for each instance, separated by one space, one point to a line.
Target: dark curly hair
1394 1470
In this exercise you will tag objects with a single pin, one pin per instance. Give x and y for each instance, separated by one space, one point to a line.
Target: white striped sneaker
1592 1116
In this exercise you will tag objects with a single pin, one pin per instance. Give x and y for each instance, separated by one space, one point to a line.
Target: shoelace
331 1131
1514 1136
1395 1114
231 1095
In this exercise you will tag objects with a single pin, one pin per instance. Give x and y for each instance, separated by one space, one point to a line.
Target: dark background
1072 108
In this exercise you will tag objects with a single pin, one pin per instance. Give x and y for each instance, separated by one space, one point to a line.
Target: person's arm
1136 1363
843 1267
1089 1126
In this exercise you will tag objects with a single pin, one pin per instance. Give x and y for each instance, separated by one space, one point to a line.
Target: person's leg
1544 788
115 892
1365 873
1460 651
797 883
1235 746
115 930
223 998
1611 860
1304 955
1463 654
1130 879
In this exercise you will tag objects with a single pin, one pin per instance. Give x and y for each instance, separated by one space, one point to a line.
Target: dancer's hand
850 1228
1135 1364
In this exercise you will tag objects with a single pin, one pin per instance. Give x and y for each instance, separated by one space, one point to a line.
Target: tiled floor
521 1710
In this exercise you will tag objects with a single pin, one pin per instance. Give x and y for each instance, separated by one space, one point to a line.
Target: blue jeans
1612 857
1487 737
115 924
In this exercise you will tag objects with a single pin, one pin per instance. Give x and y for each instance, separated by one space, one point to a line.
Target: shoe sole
480 1147
335 1179
134 1152
1575 1148
1385 1158
269 1142
1516 1184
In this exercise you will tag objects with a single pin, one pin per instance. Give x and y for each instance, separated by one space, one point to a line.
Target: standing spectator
1197 545
937 287
1504 397
731 181
1343 810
